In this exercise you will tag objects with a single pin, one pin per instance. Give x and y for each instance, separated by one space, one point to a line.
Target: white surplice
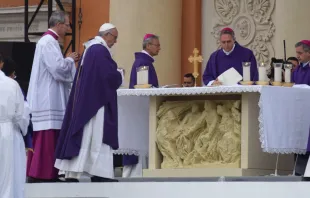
95 158
14 121
50 84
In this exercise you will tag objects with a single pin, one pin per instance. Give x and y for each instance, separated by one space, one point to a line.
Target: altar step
232 187
208 179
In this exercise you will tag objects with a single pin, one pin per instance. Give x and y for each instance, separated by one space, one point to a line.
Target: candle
143 77
278 74
287 75
262 74
246 71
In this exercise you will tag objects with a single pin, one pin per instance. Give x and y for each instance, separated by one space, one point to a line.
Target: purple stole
48 32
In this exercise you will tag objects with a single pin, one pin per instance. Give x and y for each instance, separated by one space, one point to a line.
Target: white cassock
50 84
14 121
95 158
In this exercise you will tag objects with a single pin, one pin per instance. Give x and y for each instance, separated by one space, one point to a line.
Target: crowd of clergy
68 118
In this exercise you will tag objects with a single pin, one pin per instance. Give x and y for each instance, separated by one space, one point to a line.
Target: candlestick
143 75
262 72
288 72
246 71
277 72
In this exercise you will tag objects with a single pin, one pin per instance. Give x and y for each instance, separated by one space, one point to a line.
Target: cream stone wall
260 25
254 23
292 24
134 19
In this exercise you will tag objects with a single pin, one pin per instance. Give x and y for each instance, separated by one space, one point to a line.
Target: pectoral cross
195 60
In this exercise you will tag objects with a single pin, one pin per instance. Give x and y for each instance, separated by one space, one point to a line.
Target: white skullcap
106 26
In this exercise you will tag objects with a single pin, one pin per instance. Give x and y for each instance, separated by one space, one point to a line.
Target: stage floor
219 187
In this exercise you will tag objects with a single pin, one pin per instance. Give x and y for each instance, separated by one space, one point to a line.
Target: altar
256 152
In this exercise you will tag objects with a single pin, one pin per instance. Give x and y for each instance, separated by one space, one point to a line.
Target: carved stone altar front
199 133
206 132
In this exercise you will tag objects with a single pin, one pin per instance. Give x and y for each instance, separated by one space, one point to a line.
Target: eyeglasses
157 45
115 37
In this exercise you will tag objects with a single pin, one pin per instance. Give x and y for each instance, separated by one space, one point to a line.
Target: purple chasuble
219 62
142 59
301 75
49 32
94 88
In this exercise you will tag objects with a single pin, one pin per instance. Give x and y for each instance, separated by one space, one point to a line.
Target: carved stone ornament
251 21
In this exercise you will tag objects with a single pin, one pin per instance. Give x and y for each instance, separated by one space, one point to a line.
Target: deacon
231 54
90 130
14 121
301 74
48 93
151 48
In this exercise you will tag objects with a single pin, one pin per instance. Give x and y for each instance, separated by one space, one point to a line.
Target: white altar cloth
284 116
133 125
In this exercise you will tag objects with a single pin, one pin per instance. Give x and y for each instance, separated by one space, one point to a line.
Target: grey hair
148 40
105 32
57 17
305 47
232 34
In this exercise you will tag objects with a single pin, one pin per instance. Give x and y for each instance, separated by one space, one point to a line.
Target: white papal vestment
14 121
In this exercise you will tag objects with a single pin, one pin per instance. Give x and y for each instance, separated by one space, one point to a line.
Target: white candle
262 74
287 75
246 74
278 74
143 77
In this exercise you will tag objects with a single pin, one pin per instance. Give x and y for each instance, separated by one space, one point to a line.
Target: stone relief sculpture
251 20
188 136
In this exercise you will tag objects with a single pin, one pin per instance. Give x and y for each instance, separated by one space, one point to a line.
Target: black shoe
71 180
102 179
36 180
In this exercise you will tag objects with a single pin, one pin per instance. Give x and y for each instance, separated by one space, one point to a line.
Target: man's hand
75 56
121 69
216 83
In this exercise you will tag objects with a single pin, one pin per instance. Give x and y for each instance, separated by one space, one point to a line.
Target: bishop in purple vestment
301 74
231 54
151 48
93 98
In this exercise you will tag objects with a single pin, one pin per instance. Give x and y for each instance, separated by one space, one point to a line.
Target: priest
14 121
231 54
89 133
301 74
48 93
151 48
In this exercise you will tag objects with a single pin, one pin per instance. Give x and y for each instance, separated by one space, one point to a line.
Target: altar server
301 74
48 93
151 48
14 121
231 54
90 130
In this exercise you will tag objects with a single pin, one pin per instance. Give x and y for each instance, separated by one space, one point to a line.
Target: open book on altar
230 77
